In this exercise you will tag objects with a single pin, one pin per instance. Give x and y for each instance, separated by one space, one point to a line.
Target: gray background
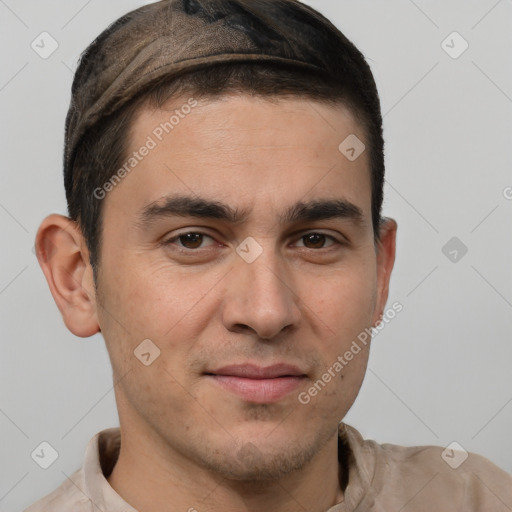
439 372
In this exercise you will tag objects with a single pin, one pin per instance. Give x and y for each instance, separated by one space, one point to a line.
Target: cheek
344 304
344 299
156 300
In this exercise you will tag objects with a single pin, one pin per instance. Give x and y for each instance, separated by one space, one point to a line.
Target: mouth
258 384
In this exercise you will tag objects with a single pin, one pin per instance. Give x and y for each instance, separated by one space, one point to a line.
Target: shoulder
66 497
433 476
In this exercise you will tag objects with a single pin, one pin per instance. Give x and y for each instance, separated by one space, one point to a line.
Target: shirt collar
361 457
100 457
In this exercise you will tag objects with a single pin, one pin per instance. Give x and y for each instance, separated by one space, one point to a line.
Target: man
224 172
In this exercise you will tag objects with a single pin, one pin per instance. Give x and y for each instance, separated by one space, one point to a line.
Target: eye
317 241
191 240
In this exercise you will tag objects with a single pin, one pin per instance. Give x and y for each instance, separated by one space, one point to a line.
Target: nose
260 297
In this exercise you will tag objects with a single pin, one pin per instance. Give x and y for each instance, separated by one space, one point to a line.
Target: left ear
385 261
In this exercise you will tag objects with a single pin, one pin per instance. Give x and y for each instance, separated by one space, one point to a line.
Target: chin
261 461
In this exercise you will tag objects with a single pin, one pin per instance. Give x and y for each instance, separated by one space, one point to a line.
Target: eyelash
176 238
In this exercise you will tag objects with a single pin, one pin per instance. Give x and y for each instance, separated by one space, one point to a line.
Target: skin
185 440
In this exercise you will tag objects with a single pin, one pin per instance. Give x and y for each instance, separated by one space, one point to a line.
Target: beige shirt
381 478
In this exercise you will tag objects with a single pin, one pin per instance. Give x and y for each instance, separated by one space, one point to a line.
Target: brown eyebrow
188 206
323 210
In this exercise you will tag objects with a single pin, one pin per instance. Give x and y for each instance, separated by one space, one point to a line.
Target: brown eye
191 240
314 240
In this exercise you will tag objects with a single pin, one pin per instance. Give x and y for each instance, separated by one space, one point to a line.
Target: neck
152 478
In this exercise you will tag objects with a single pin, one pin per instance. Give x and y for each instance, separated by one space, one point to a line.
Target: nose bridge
260 296
266 276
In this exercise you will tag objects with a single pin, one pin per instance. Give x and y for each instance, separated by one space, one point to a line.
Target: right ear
64 258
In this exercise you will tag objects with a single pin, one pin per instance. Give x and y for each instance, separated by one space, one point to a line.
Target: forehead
243 149
245 111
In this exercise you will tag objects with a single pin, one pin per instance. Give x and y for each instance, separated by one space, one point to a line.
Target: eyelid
298 235
172 239
338 237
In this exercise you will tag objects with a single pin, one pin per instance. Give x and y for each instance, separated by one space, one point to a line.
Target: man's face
186 277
